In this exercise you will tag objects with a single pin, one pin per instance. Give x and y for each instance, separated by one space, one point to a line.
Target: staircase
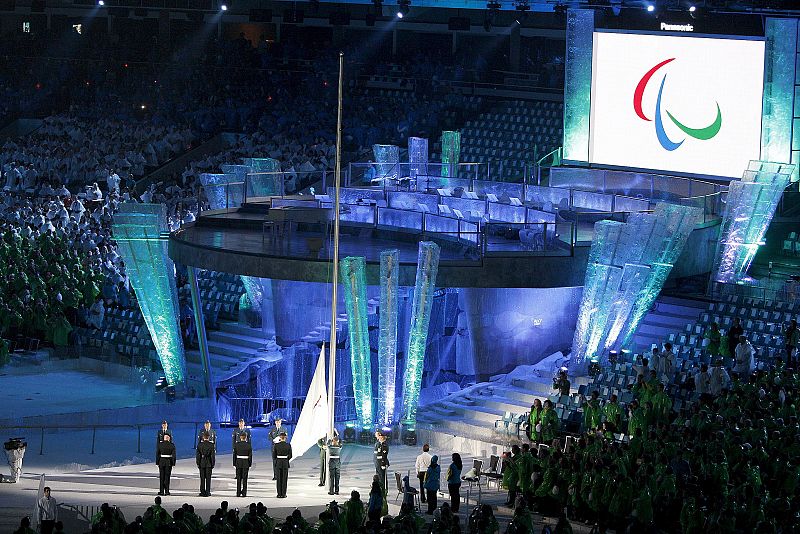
669 314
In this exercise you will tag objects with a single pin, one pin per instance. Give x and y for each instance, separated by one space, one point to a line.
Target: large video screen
676 103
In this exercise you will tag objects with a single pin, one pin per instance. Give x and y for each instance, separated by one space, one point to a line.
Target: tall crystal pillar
578 83
387 339
355 299
138 230
451 153
427 267
387 158
628 265
780 103
417 157
750 205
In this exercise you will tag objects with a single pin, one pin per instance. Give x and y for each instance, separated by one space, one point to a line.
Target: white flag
313 422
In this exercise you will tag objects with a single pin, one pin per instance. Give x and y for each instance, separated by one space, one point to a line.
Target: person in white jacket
421 465
15 452
719 379
744 358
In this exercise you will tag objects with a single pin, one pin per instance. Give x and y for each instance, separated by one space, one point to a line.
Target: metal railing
788 292
413 176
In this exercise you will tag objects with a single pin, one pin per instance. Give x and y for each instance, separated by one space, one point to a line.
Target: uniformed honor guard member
281 454
239 431
334 465
206 458
242 461
165 460
275 436
163 432
381 458
212 434
322 443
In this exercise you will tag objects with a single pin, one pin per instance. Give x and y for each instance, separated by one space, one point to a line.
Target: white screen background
705 71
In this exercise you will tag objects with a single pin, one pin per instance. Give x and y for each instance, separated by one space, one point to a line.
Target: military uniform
205 458
160 437
381 461
165 460
273 435
281 454
334 467
322 461
242 461
212 437
238 432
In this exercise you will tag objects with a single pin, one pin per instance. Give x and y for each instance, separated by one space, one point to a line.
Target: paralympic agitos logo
703 134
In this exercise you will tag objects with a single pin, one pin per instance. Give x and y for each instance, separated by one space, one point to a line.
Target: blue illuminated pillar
578 83
427 267
140 230
387 158
387 339
265 178
355 299
417 157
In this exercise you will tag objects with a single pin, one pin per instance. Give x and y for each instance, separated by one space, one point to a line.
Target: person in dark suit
238 431
242 461
163 432
274 436
205 458
334 465
281 454
165 460
381 458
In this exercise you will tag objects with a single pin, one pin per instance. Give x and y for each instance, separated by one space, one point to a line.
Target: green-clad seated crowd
43 282
729 464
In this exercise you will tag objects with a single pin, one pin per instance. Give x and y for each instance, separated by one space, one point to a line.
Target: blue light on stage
355 298
387 339
265 178
628 265
137 229
451 153
578 84
427 267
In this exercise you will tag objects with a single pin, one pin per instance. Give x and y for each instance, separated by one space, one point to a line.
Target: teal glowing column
138 230
779 104
427 267
355 299
387 339
417 157
451 153
749 208
578 83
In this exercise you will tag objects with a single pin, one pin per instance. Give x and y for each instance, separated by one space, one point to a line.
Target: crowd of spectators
726 463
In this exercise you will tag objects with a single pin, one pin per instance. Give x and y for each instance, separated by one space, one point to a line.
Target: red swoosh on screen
640 87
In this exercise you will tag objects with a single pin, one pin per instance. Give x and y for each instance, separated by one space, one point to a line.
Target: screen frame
686 35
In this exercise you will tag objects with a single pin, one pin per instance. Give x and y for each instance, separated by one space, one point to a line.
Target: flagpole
335 281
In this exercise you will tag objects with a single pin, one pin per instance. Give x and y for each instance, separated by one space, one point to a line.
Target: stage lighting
223 7
692 9
650 8
404 6
101 3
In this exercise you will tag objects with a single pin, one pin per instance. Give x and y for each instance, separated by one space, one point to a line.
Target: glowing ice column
355 299
417 157
427 267
750 205
387 158
138 231
265 178
578 83
224 191
387 339
451 153
628 265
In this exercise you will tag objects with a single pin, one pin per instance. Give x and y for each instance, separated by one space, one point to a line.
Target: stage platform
133 487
